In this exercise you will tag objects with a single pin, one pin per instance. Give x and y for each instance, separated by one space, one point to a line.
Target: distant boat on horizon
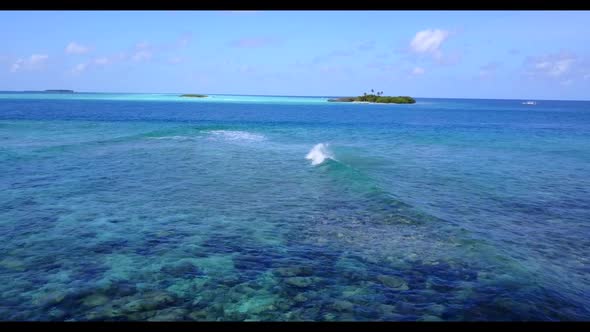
529 103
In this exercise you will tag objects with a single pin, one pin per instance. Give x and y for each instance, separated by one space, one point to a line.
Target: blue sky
471 54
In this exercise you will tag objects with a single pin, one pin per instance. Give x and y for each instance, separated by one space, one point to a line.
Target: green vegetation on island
60 91
376 98
194 95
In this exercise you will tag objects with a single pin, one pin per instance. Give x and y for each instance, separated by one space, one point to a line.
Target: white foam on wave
319 153
236 135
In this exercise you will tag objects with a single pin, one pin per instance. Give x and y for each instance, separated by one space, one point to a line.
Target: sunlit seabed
124 208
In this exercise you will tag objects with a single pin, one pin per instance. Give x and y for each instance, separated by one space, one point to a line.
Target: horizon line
279 95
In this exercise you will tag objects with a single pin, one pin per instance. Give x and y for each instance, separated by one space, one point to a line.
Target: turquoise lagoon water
155 207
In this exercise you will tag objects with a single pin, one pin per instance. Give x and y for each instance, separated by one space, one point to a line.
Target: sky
439 54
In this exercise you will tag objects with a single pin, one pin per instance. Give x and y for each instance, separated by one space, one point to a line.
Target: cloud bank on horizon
425 54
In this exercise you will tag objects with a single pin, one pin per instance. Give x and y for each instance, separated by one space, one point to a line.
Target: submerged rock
160 298
12 264
230 281
300 298
439 285
104 313
295 271
50 298
95 300
57 314
329 316
169 315
387 309
406 308
198 315
137 316
118 288
95 315
301 282
393 282
354 291
149 301
243 289
436 308
342 305
183 269
284 305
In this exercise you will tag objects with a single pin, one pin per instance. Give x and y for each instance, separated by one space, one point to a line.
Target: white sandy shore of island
364 102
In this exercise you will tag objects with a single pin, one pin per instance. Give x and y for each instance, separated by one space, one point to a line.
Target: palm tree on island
376 98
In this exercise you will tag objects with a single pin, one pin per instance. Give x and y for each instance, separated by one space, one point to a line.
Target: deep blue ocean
231 208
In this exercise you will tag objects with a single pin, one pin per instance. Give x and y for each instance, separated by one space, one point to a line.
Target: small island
59 91
194 95
376 98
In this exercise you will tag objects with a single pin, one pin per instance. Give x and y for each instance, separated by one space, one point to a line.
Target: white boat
529 103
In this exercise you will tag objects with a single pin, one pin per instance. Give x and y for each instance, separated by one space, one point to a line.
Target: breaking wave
319 153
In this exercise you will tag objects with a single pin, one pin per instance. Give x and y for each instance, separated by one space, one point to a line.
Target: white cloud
429 41
108 60
96 62
34 62
143 51
75 48
102 61
551 65
543 64
560 67
564 68
418 71
141 55
146 51
79 68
